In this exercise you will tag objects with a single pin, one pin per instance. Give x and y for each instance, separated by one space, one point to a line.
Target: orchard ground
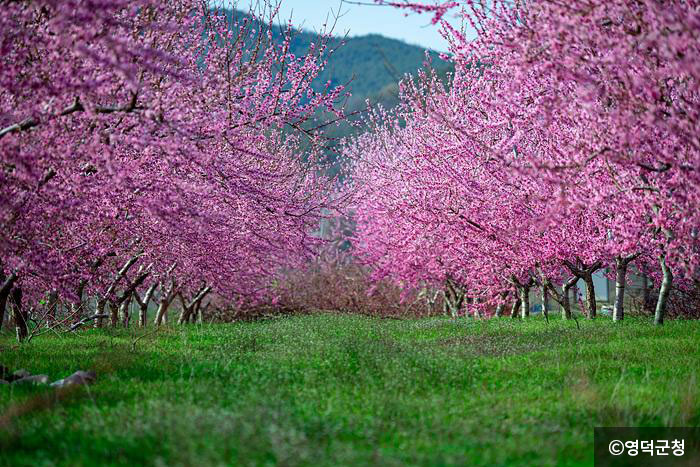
329 389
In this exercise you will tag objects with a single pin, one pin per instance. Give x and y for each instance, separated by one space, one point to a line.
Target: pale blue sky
359 20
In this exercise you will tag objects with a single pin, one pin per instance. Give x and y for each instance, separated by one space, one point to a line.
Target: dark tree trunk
143 304
3 305
167 296
6 284
19 314
646 294
590 296
523 290
143 314
194 312
561 297
77 305
184 315
516 303
113 314
108 294
585 273
566 294
454 298
565 305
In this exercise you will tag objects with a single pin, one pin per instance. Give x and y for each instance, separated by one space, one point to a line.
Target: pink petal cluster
169 132
569 135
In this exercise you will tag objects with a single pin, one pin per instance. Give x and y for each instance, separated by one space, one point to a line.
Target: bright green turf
339 390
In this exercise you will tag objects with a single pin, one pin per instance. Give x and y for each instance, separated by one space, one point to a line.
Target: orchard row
154 150
158 151
568 140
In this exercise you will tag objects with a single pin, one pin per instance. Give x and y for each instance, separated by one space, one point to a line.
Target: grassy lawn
338 390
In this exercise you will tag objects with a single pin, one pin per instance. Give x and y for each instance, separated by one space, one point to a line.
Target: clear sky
359 20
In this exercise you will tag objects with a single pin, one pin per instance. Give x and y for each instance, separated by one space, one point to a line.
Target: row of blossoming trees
567 141
159 151
152 151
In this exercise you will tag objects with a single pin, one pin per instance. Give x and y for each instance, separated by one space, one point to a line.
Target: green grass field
338 390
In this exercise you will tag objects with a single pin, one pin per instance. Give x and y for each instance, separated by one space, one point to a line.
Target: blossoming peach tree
566 141
153 151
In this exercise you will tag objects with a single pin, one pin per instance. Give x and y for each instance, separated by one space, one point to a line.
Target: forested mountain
370 66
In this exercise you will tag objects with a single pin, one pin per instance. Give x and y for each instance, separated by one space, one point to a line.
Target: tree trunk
143 314
621 263
20 316
516 306
113 313
584 272
196 316
186 310
184 315
143 304
545 299
454 297
477 310
620 279
574 297
51 308
525 301
201 310
124 312
565 305
77 305
566 302
6 284
3 297
3 305
162 311
665 291
189 309
502 304
561 297
499 309
646 294
100 310
5 289
590 296
193 313
110 290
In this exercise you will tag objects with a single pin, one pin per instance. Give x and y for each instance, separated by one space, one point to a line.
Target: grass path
340 390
